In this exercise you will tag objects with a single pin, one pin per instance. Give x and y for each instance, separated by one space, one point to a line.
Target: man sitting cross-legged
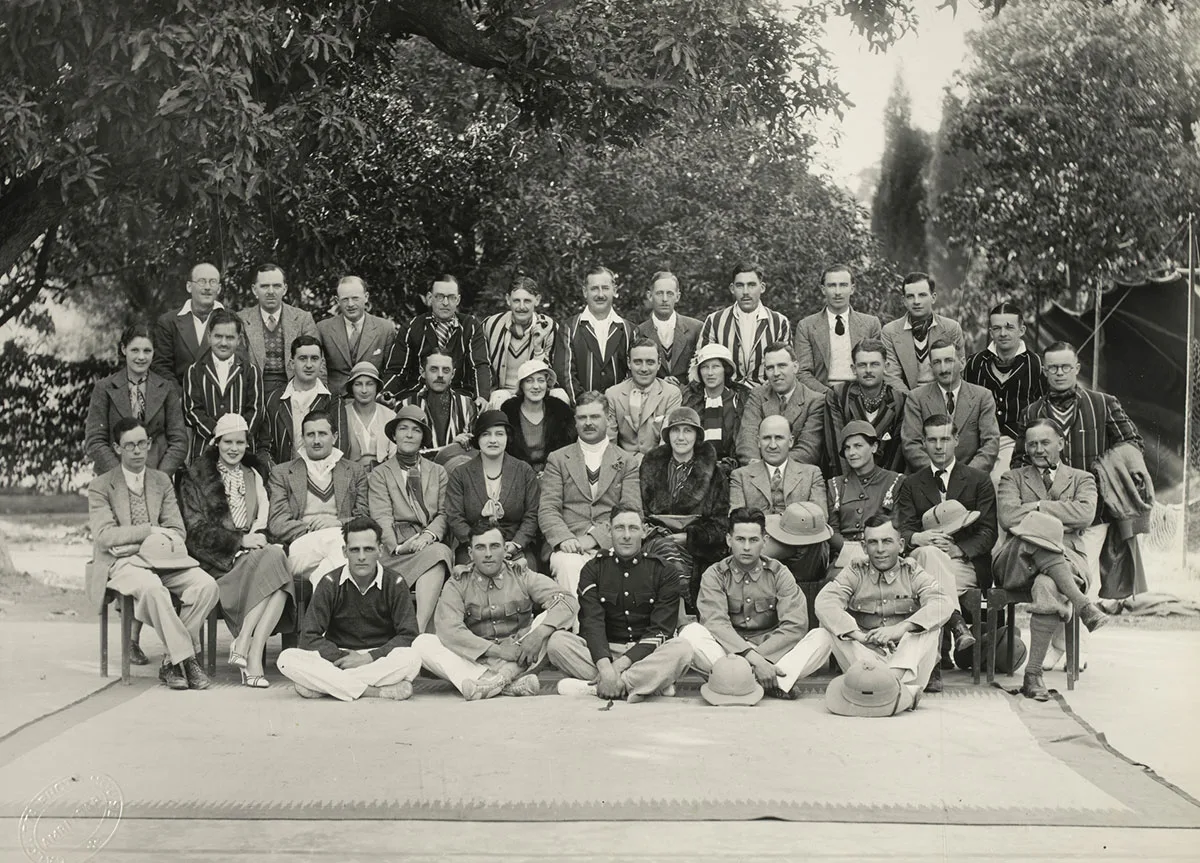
488 640
751 605
628 610
357 631
883 608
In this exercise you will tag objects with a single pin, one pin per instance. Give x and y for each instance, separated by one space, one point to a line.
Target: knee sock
1041 630
1055 567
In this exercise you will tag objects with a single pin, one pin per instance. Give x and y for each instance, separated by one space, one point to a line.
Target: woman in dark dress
539 424
717 399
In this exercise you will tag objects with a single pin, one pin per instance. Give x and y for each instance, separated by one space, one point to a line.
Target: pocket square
377 351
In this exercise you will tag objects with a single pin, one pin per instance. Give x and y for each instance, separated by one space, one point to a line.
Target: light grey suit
659 400
374 345
812 345
750 486
902 368
805 413
974 414
295 322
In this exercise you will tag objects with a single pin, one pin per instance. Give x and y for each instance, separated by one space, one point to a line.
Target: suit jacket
567 509
288 489
466 495
374 346
389 505
812 344
204 403
163 418
750 486
901 370
577 361
805 413
974 414
843 404
462 414
660 399
295 322
275 440
1072 499
675 362
721 327
1100 424
970 487
112 523
467 346
176 347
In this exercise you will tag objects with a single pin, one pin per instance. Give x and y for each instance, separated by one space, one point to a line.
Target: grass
41 504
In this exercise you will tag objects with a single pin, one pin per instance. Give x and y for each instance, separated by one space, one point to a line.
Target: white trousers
1003 459
309 668
954 576
316 553
808 656
566 567
445 663
915 655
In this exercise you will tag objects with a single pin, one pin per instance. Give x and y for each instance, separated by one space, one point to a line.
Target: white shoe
305 692
527 685
401 691
668 691
576 687
477 690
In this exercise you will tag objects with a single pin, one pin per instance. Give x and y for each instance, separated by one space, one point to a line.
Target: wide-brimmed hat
362 369
868 688
948 517
854 427
531 367
160 551
409 412
1041 529
228 424
713 351
801 523
682 417
732 682
487 420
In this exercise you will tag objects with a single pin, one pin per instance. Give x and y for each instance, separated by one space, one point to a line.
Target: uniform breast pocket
763 605
902 605
474 612
518 607
736 606
610 597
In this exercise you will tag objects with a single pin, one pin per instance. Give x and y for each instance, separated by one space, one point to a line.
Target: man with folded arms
357 631
488 640
751 606
126 506
628 611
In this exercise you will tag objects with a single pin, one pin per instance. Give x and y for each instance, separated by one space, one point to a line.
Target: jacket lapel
964 405
907 354
156 394
655 396
578 471
607 471
791 479
121 500
298 481
154 495
256 338
338 330
760 478
1061 480
822 336
957 483
183 323
120 394
341 489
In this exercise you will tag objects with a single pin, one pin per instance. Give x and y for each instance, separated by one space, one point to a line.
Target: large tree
898 209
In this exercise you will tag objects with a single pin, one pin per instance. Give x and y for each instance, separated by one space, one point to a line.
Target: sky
928 58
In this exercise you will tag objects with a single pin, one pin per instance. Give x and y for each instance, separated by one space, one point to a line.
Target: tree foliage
898 209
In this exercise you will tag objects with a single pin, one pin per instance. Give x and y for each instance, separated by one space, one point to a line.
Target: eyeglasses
206 283
1061 369
445 299
1007 328
136 446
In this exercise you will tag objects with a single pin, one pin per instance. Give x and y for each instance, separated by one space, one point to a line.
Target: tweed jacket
974 414
389 505
204 402
275 432
558 428
295 322
288 489
1072 499
462 414
721 327
374 346
466 346
568 510
112 522
812 344
659 400
675 361
163 418
577 361
901 368
175 345
805 413
497 333
750 486
704 494
843 404
970 487
466 495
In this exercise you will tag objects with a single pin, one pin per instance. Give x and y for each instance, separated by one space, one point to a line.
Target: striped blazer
1015 393
721 327
577 359
462 414
466 346
275 436
496 329
204 403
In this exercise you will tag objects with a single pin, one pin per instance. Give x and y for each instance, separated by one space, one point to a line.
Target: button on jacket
861 597
622 601
763 609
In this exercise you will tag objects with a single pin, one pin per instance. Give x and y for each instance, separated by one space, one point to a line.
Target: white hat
227 424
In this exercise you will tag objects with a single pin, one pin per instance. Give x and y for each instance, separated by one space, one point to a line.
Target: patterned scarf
1063 406
412 485
680 472
920 334
235 492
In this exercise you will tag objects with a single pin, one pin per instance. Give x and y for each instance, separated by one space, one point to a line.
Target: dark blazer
204 403
901 354
733 403
674 363
374 345
843 404
706 494
274 437
519 495
467 346
812 344
175 344
559 428
163 419
577 360
212 538
462 414
295 322
288 489
974 414
970 487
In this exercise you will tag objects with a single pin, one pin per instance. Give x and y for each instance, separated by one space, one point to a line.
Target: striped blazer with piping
577 361
721 327
496 329
204 403
462 414
466 346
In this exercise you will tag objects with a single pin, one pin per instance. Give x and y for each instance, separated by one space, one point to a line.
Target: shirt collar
739 575
186 308
317 389
224 365
134 481
266 316
669 323
832 316
758 314
953 392
1020 349
949 469
782 468
376 582
612 320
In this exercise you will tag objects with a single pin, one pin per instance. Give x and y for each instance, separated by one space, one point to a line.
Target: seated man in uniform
884 608
127 505
751 605
628 611
1047 557
488 640
357 631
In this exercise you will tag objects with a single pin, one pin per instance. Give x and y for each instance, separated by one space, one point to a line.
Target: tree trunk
27 211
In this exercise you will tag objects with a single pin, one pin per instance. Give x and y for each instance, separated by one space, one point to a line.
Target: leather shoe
136 655
172 676
1092 617
196 678
935 681
1034 687
964 639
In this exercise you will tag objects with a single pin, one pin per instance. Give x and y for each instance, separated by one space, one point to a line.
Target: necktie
777 490
271 322
839 327
139 399
950 403
1047 479
442 329
941 480
355 337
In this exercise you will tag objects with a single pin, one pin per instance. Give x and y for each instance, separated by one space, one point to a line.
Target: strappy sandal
254 681
236 659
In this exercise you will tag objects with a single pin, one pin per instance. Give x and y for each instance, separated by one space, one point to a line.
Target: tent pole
1191 372
1097 322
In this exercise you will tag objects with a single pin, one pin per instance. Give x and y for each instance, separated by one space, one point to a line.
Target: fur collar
655 474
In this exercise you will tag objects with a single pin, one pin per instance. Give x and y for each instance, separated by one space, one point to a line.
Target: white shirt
954 392
270 319
351 329
200 325
841 364
949 469
223 369
377 582
747 329
301 402
135 482
779 469
593 453
665 329
601 327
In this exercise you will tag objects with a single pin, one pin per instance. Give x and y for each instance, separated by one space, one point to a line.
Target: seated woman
137 392
407 494
223 499
364 420
685 497
717 400
854 497
495 488
539 425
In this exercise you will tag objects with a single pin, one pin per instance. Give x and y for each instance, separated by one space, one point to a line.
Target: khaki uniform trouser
915 655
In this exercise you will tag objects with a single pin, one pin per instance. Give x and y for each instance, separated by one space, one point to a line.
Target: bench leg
126 637
211 659
975 599
104 638
1072 651
996 601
